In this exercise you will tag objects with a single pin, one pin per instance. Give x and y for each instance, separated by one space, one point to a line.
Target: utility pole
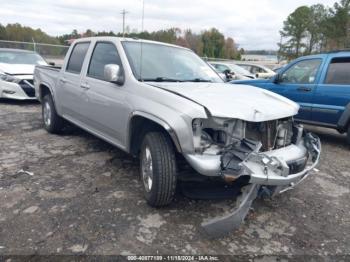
124 12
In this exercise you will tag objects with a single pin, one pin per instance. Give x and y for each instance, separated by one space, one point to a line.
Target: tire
158 169
53 123
348 135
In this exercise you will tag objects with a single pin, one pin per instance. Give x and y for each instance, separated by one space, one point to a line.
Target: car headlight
9 78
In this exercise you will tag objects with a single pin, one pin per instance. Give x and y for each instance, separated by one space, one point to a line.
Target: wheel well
44 90
139 127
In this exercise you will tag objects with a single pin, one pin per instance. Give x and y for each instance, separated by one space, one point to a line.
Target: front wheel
158 169
348 135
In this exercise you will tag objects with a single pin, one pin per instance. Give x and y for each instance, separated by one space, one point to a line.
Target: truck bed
45 75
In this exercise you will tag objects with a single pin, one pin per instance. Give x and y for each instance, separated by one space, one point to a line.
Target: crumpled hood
235 101
17 69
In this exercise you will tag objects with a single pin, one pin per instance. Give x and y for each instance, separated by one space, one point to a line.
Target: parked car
320 84
260 71
16 73
232 71
169 102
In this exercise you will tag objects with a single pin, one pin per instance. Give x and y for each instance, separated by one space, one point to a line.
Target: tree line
316 28
208 43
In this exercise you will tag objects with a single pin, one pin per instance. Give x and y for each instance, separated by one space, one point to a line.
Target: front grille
28 87
267 133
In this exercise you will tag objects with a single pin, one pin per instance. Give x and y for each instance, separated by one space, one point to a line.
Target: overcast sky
253 24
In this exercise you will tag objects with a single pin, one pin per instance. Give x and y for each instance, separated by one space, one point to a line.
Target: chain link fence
50 52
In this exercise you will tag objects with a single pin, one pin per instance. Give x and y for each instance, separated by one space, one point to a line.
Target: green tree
194 41
315 27
338 25
295 30
213 43
2 32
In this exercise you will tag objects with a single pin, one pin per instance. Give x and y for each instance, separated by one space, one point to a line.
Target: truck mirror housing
276 78
112 74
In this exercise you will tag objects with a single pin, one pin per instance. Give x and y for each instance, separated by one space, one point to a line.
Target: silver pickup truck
159 101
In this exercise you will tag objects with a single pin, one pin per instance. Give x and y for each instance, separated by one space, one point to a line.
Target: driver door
298 83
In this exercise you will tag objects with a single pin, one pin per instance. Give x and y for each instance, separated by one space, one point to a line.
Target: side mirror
52 63
277 78
112 74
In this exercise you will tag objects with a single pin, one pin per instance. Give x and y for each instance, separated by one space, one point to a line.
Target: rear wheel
348 135
53 123
158 169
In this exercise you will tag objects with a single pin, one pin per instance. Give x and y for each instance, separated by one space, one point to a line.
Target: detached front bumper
281 167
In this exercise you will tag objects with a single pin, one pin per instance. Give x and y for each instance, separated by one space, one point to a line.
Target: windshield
238 70
15 57
164 63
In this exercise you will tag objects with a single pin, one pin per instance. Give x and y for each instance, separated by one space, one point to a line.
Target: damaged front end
273 156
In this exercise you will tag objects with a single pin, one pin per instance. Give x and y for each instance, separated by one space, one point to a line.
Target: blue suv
320 84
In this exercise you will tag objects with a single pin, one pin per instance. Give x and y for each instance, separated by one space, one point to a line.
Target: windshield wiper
197 80
160 79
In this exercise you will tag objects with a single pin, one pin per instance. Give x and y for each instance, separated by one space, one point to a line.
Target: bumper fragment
271 169
220 226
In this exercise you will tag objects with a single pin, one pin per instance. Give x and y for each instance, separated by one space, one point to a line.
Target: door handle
85 86
304 89
63 80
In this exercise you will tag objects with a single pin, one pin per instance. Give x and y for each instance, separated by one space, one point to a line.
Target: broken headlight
216 132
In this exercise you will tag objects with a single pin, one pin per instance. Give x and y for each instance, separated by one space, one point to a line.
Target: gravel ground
75 194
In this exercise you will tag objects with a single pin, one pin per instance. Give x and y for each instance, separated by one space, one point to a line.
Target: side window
339 71
76 59
104 54
303 72
255 70
260 70
246 67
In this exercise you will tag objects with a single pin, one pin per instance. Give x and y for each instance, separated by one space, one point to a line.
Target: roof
121 39
337 53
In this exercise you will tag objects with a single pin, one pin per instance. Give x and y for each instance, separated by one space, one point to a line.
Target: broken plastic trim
221 226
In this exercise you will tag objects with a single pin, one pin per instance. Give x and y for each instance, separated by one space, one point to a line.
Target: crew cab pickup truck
320 84
159 101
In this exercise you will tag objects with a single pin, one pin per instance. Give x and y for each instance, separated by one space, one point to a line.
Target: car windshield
17 57
163 63
239 70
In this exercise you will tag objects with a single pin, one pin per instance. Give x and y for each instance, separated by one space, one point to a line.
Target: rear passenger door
333 93
69 91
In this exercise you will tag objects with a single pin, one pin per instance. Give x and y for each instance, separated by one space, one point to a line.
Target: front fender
159 121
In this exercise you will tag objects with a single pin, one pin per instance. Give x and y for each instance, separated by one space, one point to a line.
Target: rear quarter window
76 59
338 71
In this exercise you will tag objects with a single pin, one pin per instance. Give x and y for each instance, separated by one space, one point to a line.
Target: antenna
124 12
142 18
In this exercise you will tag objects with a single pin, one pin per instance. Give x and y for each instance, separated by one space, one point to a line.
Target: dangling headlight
9 78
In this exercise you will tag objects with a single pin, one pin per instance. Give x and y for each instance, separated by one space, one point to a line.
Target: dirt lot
82 195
